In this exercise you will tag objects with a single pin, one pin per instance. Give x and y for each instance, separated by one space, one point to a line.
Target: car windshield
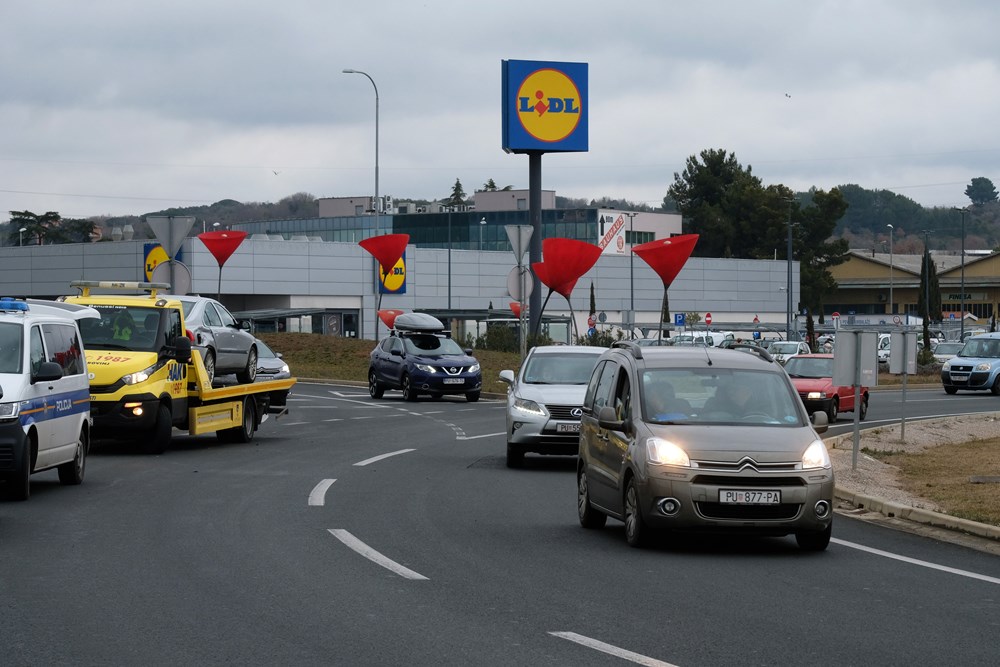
10 347
560 368
123 328
982 347
728 396
809 367
783 347
948 348
263 351
429 345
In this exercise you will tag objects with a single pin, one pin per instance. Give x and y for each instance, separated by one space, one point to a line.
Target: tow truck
147 380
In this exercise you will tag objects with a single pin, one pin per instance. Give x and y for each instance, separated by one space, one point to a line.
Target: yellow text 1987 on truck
145 380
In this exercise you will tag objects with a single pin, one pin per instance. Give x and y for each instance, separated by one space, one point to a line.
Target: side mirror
182 349
820 421
468 351
507 376
47 372
396 353
607 418
244 325
278 355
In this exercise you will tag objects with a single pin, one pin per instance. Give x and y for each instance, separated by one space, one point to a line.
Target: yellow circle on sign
156 256
397 277
548 105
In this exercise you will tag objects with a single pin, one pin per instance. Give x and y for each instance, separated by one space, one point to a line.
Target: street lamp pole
891 232
788 318
377 204
631 272
961 335
20 236
482 222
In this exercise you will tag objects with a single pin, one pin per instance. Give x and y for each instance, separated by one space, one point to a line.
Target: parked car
419 357
976 367
226 346
654 342
946 350
783 350
812 375
545 398
694 439
270 364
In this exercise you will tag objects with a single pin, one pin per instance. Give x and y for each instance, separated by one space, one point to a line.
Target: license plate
454 380
567 428
749 497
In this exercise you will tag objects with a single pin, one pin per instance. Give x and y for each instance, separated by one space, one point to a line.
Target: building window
522 204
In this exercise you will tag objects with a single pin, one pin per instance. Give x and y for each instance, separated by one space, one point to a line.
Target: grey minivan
685 438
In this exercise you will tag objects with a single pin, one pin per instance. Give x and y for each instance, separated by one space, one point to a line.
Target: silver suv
697 438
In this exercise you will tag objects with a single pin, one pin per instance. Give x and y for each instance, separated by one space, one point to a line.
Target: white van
706 338
44 393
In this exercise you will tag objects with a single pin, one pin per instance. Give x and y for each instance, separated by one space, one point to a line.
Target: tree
457 197
981 191
816 252
929 298
489 186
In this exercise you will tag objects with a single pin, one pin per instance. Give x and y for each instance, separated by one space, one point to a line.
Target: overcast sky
130 106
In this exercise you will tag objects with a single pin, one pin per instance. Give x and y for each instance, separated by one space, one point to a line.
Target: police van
44 393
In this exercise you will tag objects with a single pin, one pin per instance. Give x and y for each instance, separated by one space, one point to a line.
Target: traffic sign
514 282
756 320
708 318
678 319
835 314
591 321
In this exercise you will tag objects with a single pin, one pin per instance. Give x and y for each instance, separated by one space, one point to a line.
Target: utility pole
631 273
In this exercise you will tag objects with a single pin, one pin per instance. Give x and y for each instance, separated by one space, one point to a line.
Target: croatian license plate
454 380
567 428
749 497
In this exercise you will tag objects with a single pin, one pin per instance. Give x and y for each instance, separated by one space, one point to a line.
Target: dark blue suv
423 362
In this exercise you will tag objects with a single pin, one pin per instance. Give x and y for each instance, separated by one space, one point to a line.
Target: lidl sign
395 282
544 106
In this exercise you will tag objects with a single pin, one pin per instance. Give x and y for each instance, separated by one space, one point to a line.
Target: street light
961 335
891 230
377 205
481 223
20 235
788 318
631 272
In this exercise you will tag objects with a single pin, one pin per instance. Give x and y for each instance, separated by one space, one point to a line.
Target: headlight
983 366
946 366
816 456
813 395
474 368
524 405
425 368
9 410
285 369
664 452
139 376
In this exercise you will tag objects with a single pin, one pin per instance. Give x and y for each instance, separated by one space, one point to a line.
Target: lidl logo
395 282
548 105
544 106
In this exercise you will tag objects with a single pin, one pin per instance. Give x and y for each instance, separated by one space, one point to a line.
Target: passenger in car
663 404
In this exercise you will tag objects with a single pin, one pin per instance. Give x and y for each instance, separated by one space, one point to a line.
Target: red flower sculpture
386 249
222 245
566 260
667 256
388 316
515 307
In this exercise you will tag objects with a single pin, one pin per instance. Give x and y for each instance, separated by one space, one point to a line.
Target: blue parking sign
678 319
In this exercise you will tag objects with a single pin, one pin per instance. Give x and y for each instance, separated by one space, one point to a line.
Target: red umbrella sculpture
515 307
667 257
564 261
388 316
387 250
222 245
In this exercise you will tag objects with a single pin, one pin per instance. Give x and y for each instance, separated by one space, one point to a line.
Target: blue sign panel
544 106
679 319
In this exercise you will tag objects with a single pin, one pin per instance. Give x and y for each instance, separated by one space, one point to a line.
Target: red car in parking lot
812 375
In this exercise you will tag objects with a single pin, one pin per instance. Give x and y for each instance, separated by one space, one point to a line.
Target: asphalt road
360 532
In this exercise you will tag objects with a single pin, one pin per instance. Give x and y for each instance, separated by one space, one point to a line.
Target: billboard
544 106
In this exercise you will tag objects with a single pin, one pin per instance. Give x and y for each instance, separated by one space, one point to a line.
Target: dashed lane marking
637 658
363 549
914 561
317 497
383 456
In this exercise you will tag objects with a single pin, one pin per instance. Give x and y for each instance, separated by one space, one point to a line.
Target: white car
44 393
946 350
545 399
783 350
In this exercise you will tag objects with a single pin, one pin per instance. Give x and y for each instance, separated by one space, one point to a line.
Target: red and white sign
617 227
756 320
708 318
591 321
835 314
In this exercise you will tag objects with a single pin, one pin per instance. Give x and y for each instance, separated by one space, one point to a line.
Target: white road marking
294 423
382 456
611 650
317 497
914 561
476 437
374 556
339 419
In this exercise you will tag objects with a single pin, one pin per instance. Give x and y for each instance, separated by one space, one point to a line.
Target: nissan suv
423 362
702 439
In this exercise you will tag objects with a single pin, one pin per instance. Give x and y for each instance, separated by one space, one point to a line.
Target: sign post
520 238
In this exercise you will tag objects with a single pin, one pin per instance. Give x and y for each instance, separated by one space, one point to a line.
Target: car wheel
249 372
159 439
833 410
814 540
864 407
515 456
375 389
72 473
950 390
636 531
409 393
995 389
19 482
589 517
209 361
472 396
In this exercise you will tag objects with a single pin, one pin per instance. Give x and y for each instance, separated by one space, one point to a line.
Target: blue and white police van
44 393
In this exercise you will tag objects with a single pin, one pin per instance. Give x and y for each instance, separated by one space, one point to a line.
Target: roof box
417 322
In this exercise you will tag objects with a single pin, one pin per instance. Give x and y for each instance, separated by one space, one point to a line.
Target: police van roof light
8 304
86 285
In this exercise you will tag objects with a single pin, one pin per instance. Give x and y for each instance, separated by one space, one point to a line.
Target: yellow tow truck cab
146 380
